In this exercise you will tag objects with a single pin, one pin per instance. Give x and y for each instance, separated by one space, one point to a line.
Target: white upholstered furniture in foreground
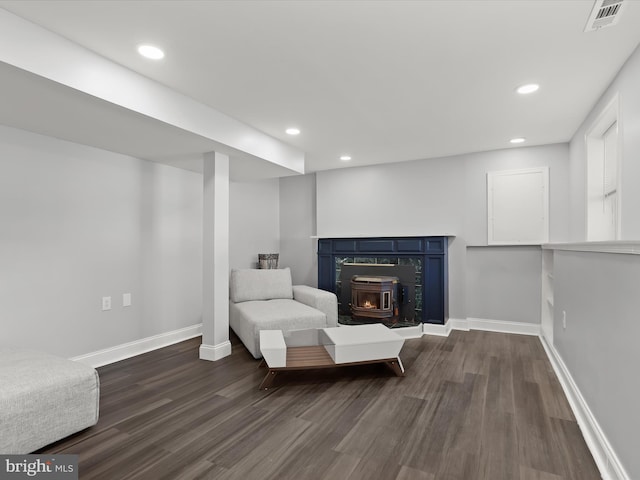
267 300
43 398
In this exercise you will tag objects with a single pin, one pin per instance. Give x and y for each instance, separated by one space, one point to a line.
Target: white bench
329 347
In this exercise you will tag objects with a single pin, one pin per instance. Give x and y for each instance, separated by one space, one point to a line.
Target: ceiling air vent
605 13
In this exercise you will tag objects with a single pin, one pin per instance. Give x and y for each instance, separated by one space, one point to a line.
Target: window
603 176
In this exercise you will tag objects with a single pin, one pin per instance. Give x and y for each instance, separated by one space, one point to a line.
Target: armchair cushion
248 318
252 284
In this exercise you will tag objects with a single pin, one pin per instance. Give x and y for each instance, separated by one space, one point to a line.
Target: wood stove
374 298
419 262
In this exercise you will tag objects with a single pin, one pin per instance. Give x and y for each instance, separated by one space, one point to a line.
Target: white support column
215 258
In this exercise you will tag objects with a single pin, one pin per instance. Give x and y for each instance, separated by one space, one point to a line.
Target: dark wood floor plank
569 443
532 427
457 466
126 460
342 467
498 452
498 456
473 406
311 455
274 450
407 473
369 469
556 405
527 473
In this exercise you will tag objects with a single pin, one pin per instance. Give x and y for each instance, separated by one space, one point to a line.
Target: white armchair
267 300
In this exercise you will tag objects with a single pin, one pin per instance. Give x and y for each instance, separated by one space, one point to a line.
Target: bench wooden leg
397 367
268 380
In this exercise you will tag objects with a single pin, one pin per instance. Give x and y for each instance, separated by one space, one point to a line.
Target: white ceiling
382 81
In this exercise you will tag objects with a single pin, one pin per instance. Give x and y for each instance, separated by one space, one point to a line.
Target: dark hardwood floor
475 405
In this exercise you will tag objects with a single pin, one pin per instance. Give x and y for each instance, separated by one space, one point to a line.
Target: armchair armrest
324 301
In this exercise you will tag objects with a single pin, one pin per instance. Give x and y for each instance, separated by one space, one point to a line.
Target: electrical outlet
564 320
106 303
126 299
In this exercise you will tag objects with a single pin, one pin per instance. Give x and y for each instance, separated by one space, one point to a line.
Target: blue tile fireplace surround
417 266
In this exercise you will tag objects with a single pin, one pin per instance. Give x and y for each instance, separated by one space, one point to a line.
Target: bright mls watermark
51 467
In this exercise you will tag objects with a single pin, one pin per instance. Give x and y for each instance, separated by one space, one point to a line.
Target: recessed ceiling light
149 51
293 131
517 140
345 158
528 88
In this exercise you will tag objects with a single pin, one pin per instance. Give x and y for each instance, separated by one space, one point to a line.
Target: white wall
599 293
478 164
448 196
626 86
504 283
408 198
254 221
77 224
297 226
445 195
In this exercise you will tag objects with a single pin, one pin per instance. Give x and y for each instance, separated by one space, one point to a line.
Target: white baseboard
603 454
434 329
459 324
137 347
500 326
408 332
503 326
215 352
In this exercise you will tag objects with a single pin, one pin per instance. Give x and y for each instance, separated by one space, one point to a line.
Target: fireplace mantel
431 251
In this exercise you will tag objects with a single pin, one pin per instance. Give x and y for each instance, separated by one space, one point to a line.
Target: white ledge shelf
500 245
620 246
403 235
